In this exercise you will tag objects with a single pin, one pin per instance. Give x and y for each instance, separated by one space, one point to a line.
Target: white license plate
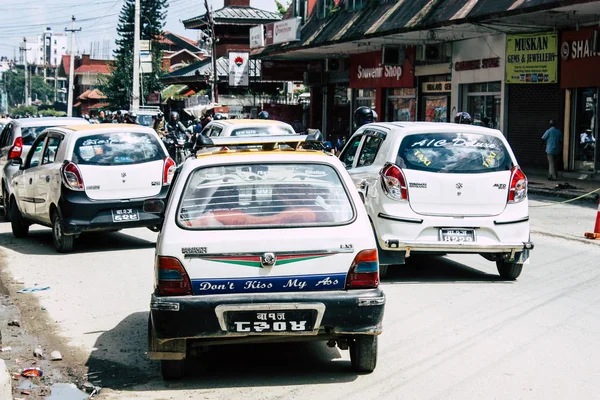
457 235
271 321
125 215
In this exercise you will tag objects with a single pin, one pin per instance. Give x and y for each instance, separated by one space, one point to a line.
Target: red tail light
394 182
72 177
518 186
364 272
17 149
168 170
172 280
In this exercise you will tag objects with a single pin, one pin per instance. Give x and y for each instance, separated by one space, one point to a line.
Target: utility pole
71 67
211 26
24 49
135 95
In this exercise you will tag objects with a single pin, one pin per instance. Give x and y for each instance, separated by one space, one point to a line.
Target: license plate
457 235
271 321
125 215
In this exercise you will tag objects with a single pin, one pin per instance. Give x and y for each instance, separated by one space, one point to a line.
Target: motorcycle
178 145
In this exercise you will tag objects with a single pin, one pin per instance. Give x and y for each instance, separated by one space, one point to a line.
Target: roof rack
268 142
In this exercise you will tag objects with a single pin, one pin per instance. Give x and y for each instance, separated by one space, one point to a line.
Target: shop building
580 64
478 79
434 82
534 95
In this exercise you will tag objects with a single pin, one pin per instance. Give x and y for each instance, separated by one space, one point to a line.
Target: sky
97 18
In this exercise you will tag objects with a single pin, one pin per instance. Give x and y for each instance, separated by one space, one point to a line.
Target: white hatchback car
441 188
247 127
264 245
90 178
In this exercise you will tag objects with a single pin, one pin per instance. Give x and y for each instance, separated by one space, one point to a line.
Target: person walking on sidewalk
553 138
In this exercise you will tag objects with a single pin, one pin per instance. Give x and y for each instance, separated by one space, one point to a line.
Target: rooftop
234 15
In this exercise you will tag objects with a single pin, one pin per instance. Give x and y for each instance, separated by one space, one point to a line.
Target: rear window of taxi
264 195
457 153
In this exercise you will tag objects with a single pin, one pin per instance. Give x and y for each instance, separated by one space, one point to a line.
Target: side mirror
314 135
202 142
16 161
154 206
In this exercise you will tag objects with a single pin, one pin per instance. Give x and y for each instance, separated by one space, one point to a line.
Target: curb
5 382
566 237
566 195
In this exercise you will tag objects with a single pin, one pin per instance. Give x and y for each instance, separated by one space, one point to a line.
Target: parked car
86 178
264 246
247 127
15 142
441 188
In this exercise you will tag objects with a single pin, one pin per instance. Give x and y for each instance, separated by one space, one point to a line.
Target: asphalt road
452 330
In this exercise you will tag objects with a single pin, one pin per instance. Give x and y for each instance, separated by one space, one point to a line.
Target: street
452 329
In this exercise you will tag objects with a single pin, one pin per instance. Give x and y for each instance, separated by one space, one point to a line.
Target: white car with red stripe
264 246
439 188
85 178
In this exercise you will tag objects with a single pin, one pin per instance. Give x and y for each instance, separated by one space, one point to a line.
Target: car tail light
168 170
16 149
172 280
72 177
364 272
518 186
394 182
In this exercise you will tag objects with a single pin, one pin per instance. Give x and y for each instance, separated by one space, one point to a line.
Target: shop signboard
532 58
366 72
238 68
436 87
579 59
280 70
287 30
257 37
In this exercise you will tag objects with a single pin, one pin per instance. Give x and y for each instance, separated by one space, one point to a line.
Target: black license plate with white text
125 215
457 235
271 321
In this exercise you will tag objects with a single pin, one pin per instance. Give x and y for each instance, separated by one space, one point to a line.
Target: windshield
117 149
453 152
264 195
145 120
263 130
29 134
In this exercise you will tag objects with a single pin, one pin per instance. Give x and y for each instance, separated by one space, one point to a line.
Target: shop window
435 108
401 104
483 101
365 97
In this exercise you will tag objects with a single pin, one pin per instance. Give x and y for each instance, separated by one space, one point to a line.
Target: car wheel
20 228
509 270
363 353
62 242
172 369
383 270
5 203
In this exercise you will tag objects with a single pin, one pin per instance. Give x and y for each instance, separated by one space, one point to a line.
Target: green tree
281 7
14 82
118 85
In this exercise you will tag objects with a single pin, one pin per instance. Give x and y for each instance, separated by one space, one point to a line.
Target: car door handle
363 184
30 181
47 178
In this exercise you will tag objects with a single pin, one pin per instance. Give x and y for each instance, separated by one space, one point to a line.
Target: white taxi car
247 127
263 245
441 188
89 178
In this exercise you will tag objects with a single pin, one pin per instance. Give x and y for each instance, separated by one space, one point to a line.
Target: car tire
383 271
172 369
509 271
363 353
20 228
5 203
63 243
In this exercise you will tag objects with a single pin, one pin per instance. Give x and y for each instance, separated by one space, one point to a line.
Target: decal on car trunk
266 259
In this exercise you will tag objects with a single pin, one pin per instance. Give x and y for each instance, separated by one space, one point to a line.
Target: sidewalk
568 185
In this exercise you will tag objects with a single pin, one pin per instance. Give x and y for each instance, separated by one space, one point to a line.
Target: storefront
581 81
478 79
435 89
534 96
388 89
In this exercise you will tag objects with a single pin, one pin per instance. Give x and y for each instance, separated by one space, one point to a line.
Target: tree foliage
118 85
14 82
281 7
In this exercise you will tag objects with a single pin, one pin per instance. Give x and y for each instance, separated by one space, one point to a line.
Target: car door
26 189
5 144
47 178
365 172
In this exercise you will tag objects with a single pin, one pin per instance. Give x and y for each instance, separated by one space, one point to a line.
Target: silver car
15 142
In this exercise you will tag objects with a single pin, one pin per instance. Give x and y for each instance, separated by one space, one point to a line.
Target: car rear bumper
82 214
203 317
416 246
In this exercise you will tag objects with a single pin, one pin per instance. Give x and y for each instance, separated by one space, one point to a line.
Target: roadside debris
38 352
32 372
6 349
34 289
55 356
14 323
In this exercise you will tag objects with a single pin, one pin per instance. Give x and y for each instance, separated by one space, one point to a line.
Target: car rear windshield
262 130
30 133
458 153
264 195
120 148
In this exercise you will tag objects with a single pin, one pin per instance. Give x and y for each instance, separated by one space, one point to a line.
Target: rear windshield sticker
454 142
